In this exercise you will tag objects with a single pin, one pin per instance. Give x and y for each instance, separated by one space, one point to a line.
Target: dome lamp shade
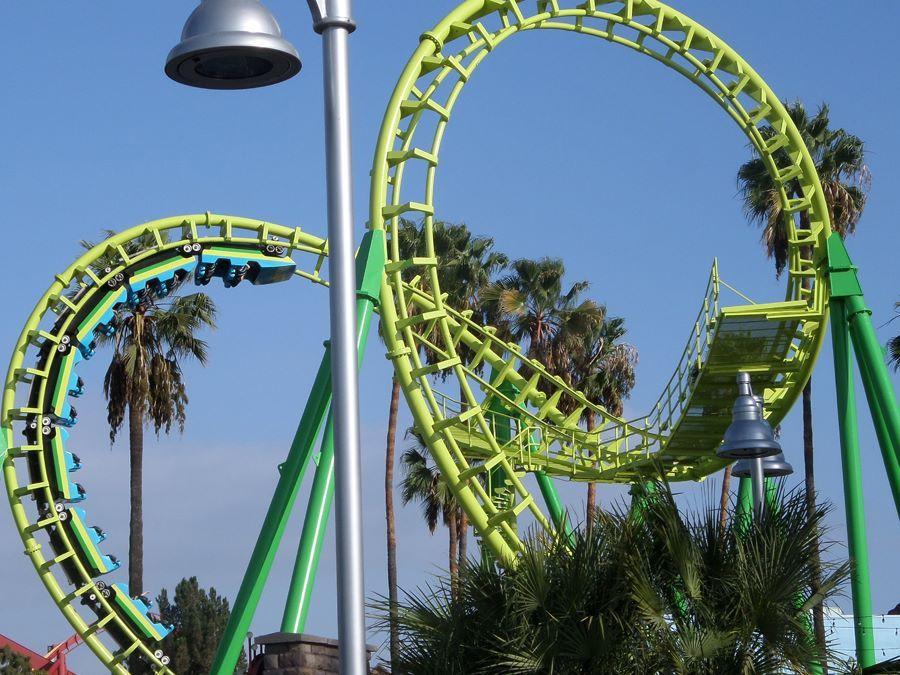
749 434
232 44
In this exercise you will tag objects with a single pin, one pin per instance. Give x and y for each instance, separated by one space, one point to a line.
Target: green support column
551 499
276 518
501 419
853 493
639 498
744 511
315 524
847 291
292 472
771 494
369 266
891 463
870 353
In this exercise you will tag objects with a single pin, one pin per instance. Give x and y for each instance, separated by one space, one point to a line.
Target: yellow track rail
27 485
777 342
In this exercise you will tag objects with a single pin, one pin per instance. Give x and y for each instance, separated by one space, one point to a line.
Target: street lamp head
775 466
232 44
749 434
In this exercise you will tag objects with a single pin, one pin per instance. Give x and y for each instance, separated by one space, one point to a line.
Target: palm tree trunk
463 534
810 484
810 477
453 555
462 531
723 503
592 487
136 523
389 516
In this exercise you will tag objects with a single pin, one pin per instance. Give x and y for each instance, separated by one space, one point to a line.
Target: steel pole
758 486
335 28
369 268
853 497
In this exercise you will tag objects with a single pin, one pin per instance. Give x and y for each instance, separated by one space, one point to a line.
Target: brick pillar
299 654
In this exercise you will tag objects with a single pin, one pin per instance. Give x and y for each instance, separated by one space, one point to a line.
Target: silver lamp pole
750 438
237 44
774 466
758 484
335 24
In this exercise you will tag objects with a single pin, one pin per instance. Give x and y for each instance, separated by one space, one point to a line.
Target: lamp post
237 44
750 438
774 466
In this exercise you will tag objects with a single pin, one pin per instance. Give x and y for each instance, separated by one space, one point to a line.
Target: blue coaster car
87 350
233 263
64 416
63 464
70 343
88 539
137 611
99 319
161 274
76 386
72 462
79 494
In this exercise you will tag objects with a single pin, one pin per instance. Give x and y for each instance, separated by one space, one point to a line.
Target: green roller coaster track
519 419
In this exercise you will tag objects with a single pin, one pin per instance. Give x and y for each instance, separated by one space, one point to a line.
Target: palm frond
646 590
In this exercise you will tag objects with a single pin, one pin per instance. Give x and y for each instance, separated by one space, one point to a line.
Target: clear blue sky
560 146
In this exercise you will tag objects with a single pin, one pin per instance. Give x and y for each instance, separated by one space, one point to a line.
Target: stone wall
294 654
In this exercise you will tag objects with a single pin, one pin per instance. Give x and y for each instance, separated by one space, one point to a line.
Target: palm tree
603 369
468 264
735 600
422 482
530 307
558 328
409 236
144 382
657 594
839 157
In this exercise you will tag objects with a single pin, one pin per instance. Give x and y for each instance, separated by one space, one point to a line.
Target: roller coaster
515 420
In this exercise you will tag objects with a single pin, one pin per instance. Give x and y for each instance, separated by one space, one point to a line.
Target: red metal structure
57 655
54 662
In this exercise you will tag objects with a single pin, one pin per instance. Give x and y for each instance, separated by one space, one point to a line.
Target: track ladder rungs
416 319
389 212
123 654
31 487
798 204
435 368
408 108
789 173
57 560
458 29
484 467
467 414
510 514
99 625
400 265
398 156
